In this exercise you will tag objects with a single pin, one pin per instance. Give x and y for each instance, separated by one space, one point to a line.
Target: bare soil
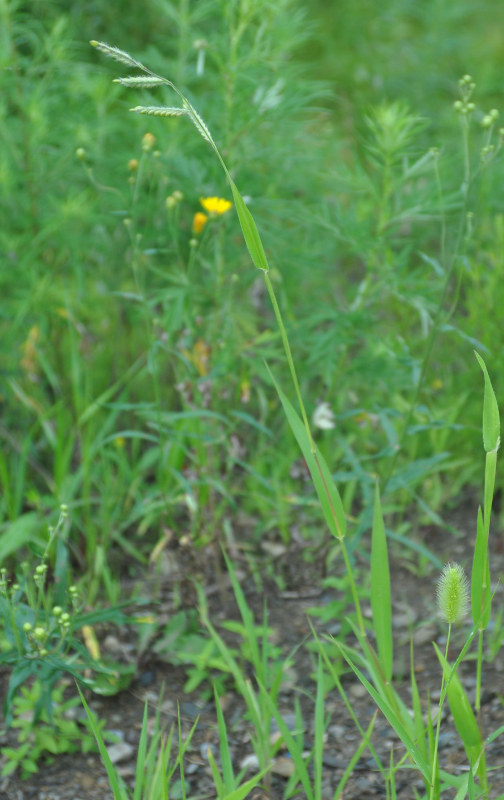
83 777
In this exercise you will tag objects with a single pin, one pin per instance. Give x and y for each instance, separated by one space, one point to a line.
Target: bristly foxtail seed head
453 593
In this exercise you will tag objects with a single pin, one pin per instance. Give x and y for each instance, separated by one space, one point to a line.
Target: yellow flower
133 165
215 205
199 222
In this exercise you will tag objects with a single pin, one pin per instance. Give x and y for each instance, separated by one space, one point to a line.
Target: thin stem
438 723
479 663
288 354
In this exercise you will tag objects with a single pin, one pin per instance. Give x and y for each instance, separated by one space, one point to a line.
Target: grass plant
375 662
156 768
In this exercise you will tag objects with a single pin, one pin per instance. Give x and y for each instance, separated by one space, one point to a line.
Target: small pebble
120 751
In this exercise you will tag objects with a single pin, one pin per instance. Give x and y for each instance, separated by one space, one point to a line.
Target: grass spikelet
116 54
160 111
141 81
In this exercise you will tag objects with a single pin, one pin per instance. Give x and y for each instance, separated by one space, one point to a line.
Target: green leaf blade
491 418
249 230
380 590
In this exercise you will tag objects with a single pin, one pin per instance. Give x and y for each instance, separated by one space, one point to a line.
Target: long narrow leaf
325 487
380 590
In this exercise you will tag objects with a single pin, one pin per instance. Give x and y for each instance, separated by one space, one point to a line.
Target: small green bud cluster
39 576
174 199
63 617
74 595
467 86
490 118
3 582
37 637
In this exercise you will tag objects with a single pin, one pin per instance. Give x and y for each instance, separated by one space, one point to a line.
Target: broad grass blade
380 590
249 229
491 419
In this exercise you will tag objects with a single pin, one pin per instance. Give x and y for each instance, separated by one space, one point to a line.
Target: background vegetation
135 332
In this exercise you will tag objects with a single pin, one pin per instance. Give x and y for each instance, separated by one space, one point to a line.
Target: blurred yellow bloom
199 222
215 205
245 391
148 142
133 164
437 384
29 361
199 356
91 642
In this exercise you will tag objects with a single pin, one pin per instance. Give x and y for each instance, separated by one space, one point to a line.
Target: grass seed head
453 593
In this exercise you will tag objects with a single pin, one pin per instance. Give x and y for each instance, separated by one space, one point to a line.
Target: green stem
433 793
479 664
288 355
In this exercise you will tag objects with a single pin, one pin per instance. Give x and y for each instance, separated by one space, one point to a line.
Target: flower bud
148 142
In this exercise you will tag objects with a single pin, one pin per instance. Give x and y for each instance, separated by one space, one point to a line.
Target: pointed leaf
491 419
249 229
